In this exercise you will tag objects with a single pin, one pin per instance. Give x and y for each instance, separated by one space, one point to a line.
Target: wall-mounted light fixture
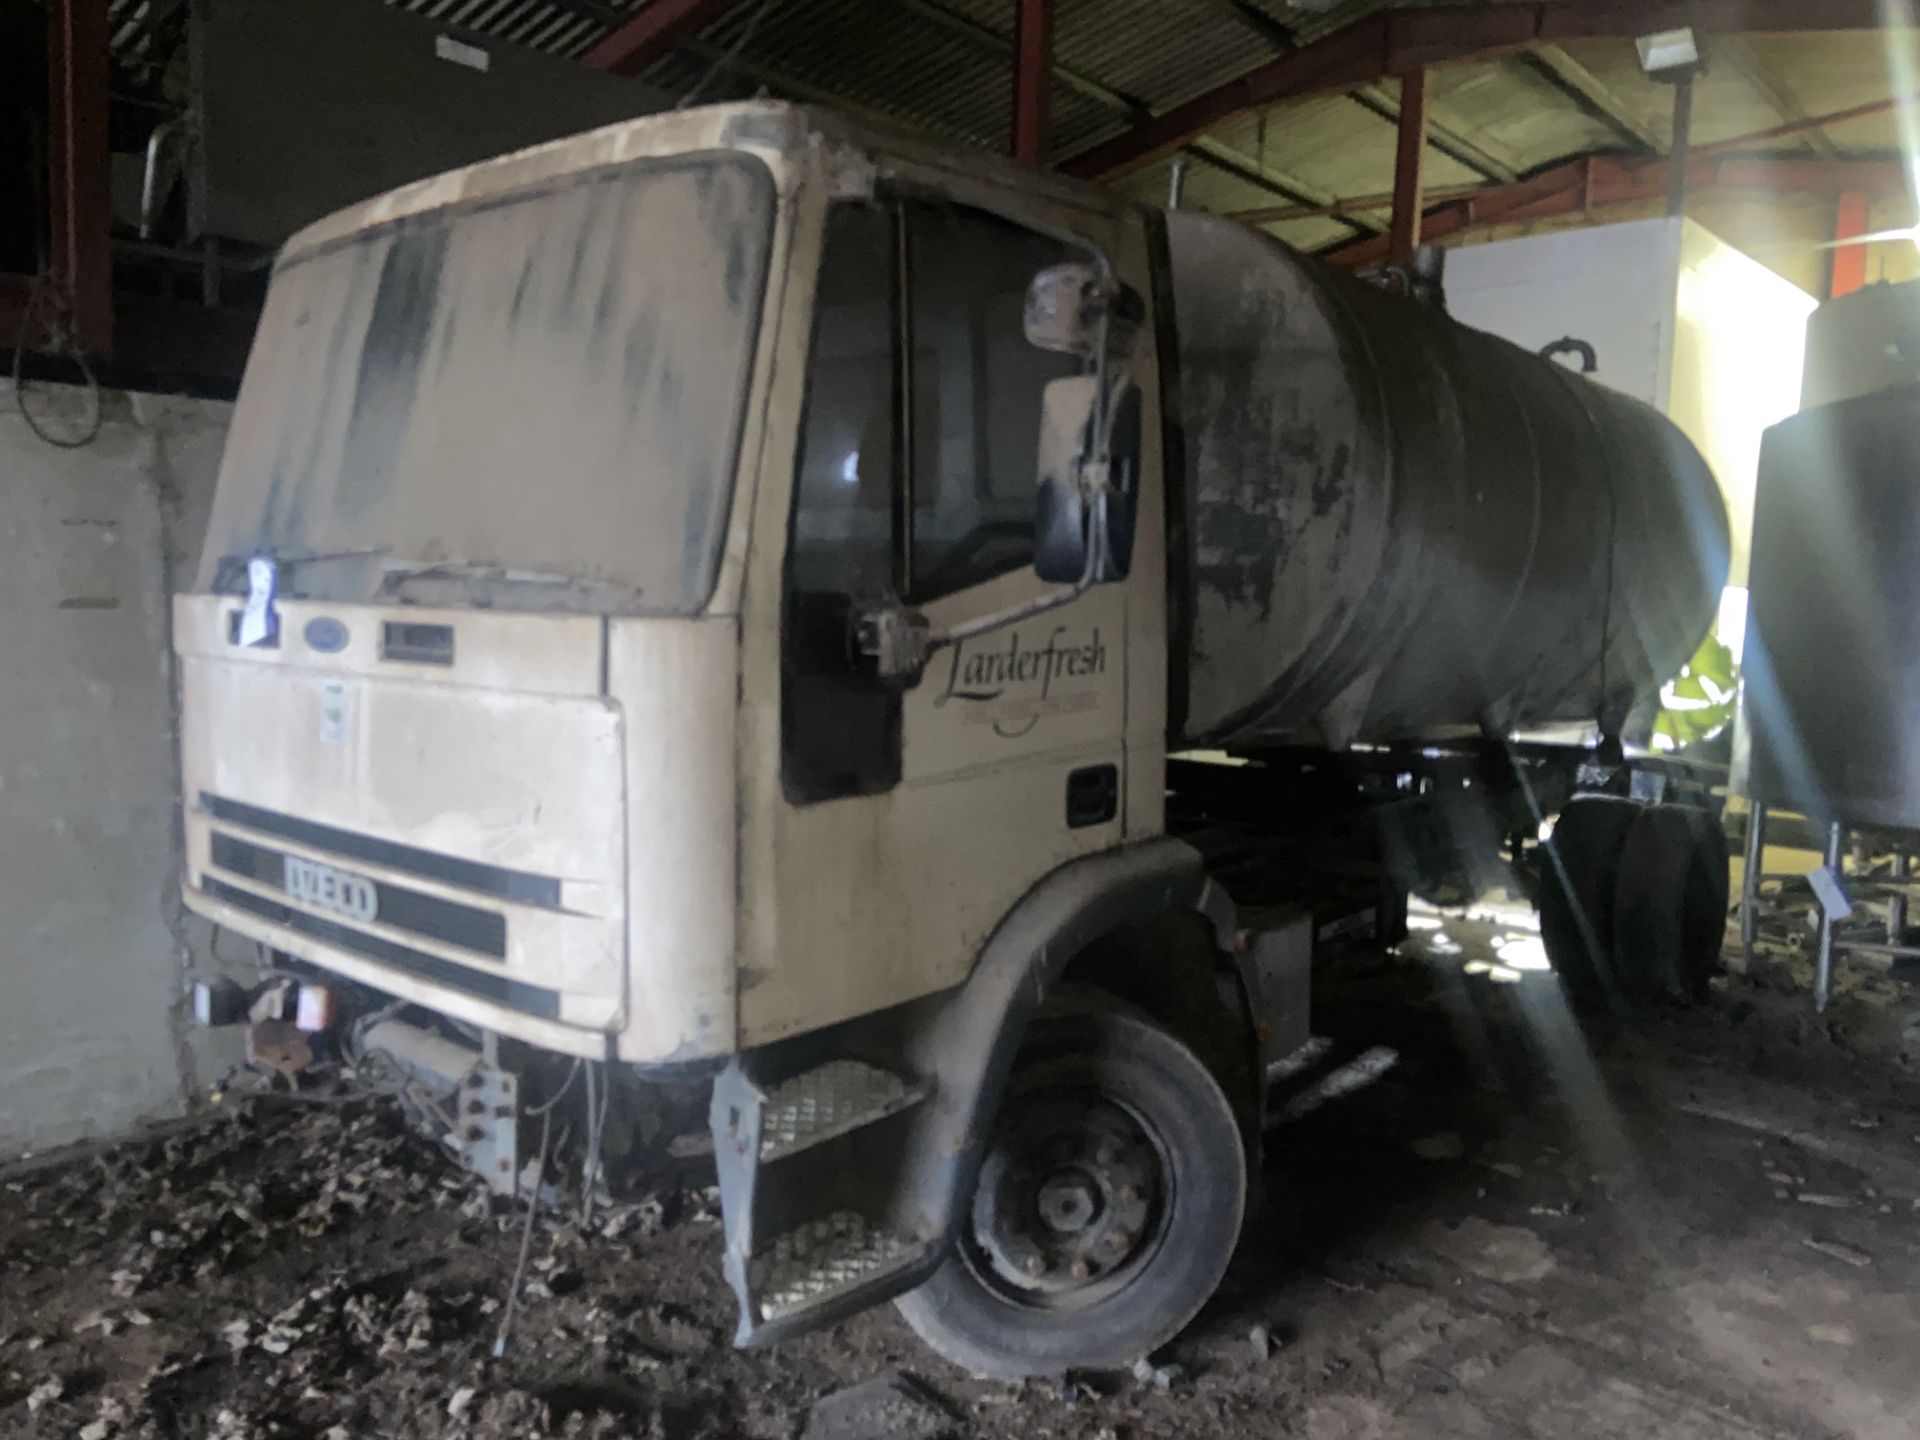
1671 56
1676 57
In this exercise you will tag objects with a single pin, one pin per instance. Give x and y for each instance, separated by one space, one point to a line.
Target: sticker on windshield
258 623
333 712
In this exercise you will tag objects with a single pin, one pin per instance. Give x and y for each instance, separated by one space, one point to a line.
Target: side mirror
1075 309
1084 521
1061 533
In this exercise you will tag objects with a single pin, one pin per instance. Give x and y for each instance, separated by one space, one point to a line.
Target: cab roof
781 133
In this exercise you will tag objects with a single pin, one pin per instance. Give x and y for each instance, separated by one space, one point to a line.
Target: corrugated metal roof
945 66
145 33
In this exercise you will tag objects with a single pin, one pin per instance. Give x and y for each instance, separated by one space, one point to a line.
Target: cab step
811 1267
812 1241
827 1102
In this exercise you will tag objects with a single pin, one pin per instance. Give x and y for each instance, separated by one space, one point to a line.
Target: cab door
913 818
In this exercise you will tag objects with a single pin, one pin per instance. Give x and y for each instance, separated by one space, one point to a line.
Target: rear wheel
1670 903
1107 1207
1580 864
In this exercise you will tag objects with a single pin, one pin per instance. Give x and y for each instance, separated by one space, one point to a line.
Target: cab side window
916 472
843 514
976 391
839 730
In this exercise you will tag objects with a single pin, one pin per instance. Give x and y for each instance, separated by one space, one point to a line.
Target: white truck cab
693 599
569 473
569 467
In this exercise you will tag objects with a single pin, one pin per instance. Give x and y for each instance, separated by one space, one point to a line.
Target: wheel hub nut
1034 1266
1081 1270
1066 1204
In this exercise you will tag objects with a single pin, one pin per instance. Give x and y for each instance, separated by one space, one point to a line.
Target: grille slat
514 994
516 885
482 931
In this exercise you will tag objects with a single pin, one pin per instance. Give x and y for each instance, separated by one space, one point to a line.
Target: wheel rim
1072 1202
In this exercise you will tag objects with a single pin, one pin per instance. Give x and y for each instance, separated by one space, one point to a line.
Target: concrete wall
93 1035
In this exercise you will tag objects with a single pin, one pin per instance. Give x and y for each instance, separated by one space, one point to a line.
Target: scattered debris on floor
1161 1377
1699 1225
887 1407
1441 1145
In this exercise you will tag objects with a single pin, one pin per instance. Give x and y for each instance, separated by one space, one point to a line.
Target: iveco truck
927 649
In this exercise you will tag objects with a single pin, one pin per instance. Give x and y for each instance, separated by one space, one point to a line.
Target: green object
1697 704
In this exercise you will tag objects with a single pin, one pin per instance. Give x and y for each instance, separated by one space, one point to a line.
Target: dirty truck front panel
491 439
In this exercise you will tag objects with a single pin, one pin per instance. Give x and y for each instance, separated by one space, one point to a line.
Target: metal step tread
829 1101
824 1259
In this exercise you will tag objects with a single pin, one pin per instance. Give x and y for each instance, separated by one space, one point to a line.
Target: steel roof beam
1357 204
985 38
1375 99
1782 101
1594 181
1597 97
80 220
1409 172
780 83
1485 195
652 30
1032 78
1248 169
1379 100
1274 32
1394 42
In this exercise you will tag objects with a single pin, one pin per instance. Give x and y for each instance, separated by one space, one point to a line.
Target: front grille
482 931
496 880
515 994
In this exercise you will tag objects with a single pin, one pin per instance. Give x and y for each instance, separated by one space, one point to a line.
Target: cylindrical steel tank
1832 655
1399 528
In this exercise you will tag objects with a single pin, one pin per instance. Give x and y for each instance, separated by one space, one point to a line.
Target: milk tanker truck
926 650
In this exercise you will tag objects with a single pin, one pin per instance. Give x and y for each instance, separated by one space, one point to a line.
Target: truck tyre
1670 903
1108 1205
1579 866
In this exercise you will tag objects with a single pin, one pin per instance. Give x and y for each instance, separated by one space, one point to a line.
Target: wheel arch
1182 971
1086 922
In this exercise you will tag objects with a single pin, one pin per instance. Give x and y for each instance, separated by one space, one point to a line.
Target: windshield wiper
400 572
230 573
477 582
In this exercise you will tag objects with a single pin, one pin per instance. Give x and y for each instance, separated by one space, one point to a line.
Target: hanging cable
526 1239
597 1100
59 343
546 1105
726 59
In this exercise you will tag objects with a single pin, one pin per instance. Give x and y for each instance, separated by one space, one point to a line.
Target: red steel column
1409 170
1032 78
1849 261
80 220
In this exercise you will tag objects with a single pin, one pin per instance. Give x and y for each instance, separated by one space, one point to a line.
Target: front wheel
1107 1207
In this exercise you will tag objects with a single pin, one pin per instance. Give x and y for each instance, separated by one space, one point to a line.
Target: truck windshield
548 383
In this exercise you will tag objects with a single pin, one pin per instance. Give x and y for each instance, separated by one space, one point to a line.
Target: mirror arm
901 641
1040 604
1100 465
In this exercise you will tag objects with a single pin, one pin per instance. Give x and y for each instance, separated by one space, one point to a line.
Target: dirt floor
1695 1227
